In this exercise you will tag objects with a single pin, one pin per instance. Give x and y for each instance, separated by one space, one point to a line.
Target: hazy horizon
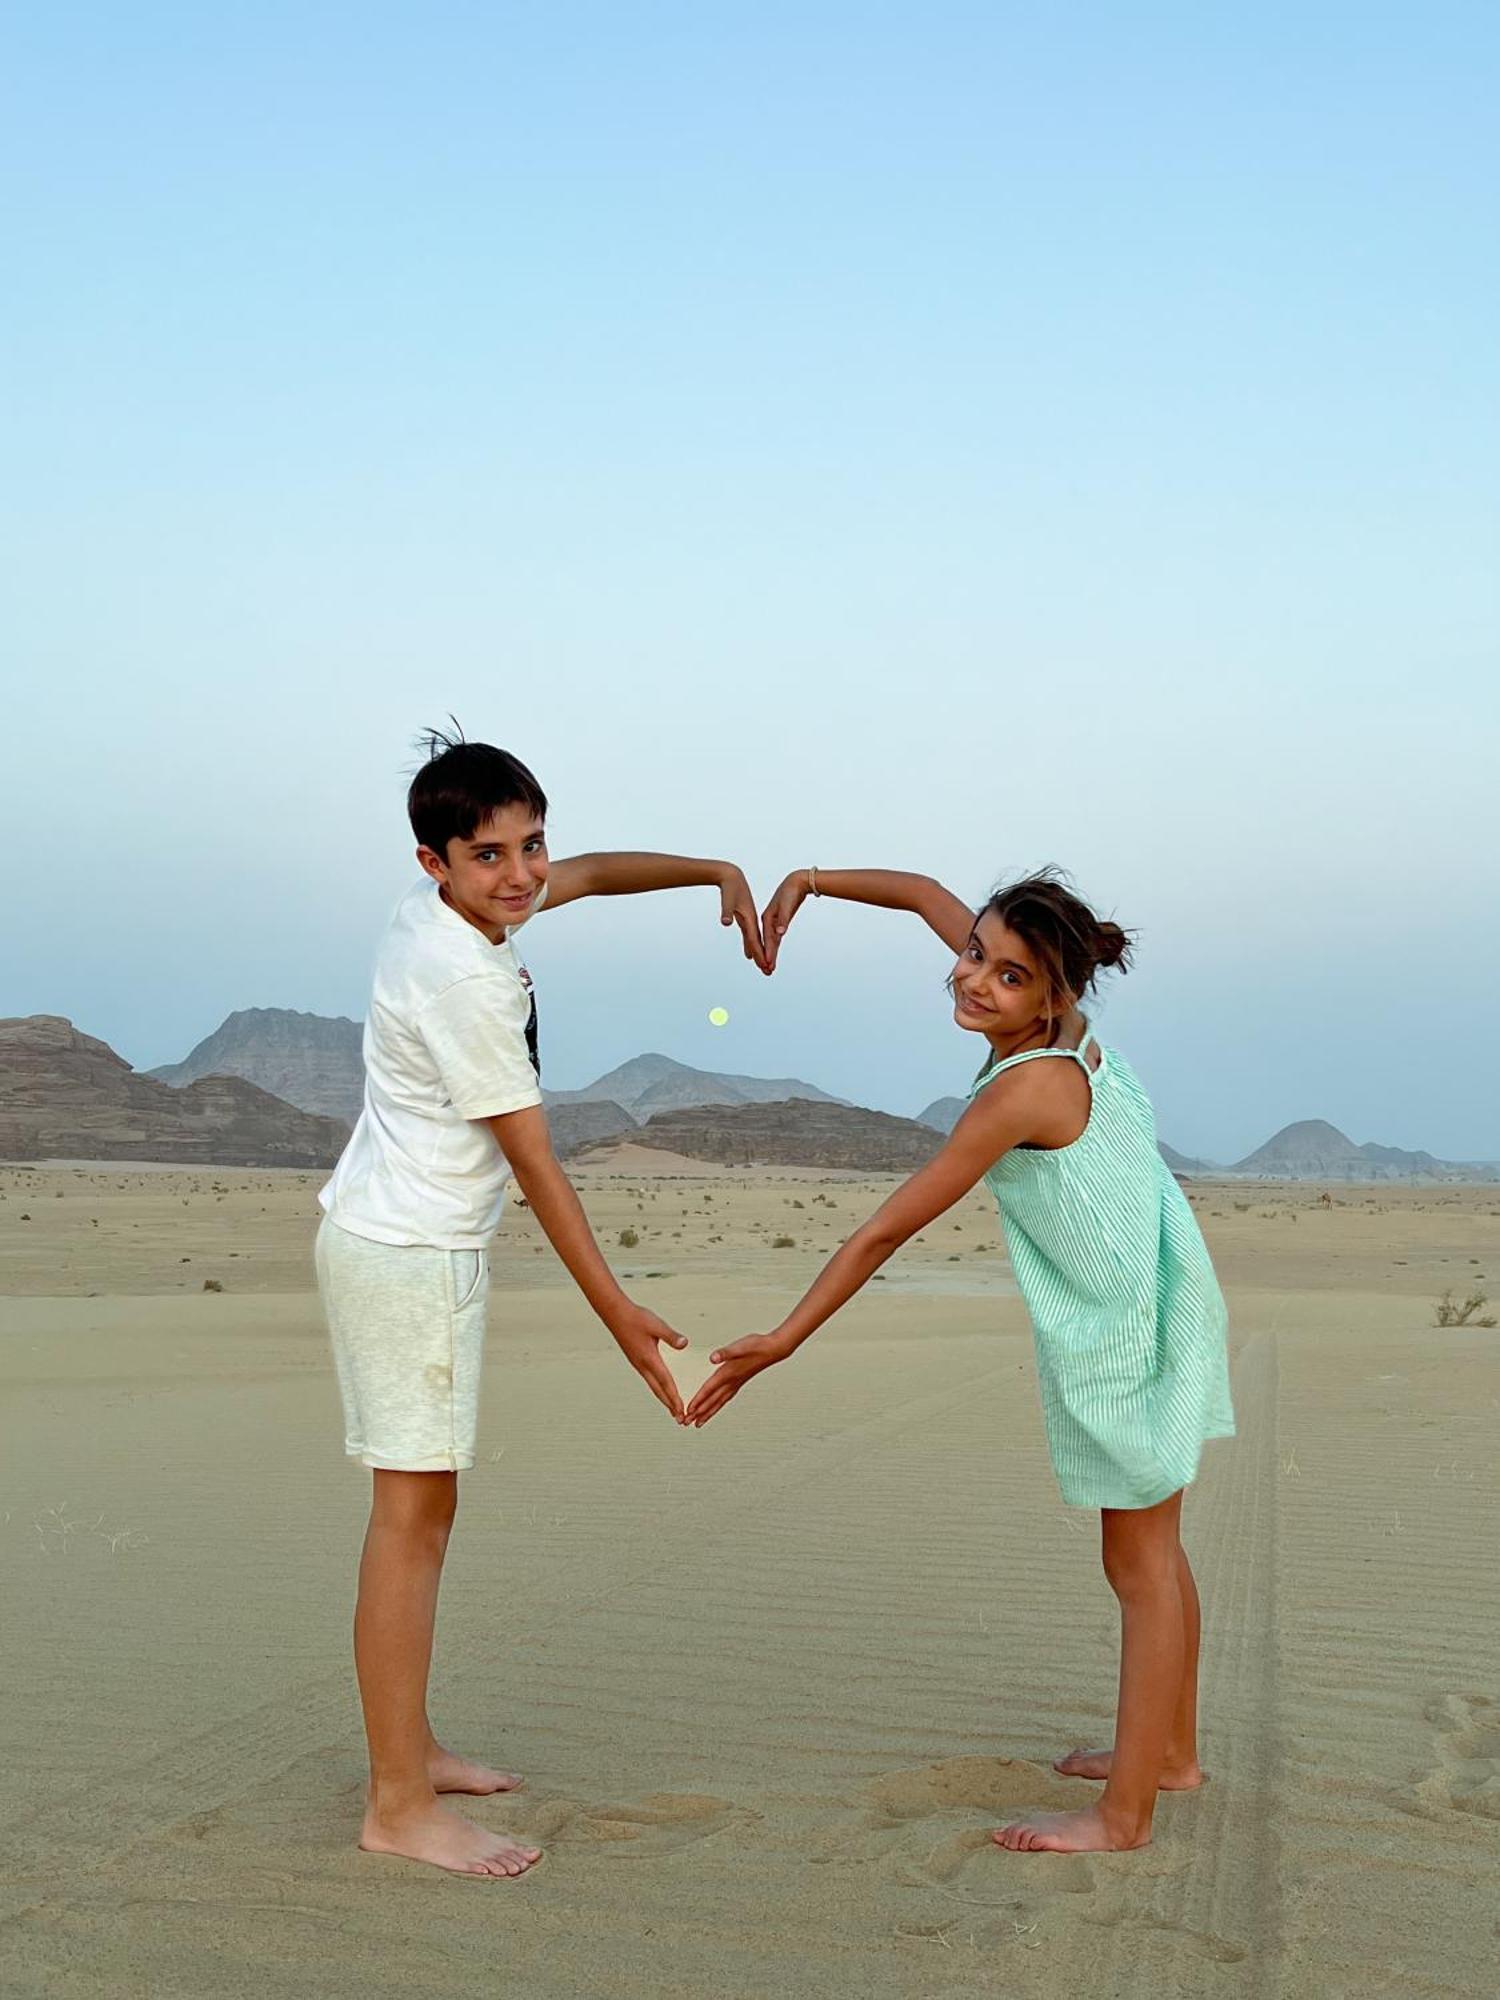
727 1069
953 442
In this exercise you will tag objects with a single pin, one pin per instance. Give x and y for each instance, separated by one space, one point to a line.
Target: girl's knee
1140 1556
1139 1574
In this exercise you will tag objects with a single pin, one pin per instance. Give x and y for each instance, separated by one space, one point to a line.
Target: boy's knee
416 1503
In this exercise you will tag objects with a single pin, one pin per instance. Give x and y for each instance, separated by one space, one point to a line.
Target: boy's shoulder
427 948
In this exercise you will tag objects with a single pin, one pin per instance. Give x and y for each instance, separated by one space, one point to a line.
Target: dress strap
1077 1055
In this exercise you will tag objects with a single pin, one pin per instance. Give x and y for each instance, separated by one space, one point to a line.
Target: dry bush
1449 1311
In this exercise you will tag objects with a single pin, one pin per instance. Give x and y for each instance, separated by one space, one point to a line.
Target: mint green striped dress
1128 1316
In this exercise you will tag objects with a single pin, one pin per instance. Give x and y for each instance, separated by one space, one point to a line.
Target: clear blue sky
952 437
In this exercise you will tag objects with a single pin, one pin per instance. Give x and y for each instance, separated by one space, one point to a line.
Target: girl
1128 1318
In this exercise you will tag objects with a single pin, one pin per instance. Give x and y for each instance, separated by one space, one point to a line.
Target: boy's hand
736 1364
637 1332
737 906
779 912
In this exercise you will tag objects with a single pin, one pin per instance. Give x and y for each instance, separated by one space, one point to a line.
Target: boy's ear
432 863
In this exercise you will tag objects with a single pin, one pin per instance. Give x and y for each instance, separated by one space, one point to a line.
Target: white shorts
407 1326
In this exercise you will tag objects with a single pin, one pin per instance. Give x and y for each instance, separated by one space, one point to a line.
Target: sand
771 1683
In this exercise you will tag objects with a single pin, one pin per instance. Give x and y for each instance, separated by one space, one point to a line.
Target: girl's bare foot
1095 1764
436 1833
450 1773
1083 1832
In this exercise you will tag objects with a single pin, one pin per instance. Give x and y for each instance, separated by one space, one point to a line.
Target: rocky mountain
943 1113
310 1060
1314 1150
794 1133
651 1083
575 1127
66 1096
1182 1163
1312 1146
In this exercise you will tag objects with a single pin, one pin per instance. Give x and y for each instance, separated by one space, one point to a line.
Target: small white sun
719 1016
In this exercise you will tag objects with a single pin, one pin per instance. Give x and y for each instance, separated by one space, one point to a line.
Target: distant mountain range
943 1113
651 1083
797 1132
274 1087
65 1096
315 1062
310 1060
1313 1150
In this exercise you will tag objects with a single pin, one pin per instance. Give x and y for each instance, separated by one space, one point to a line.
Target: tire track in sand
1219 1893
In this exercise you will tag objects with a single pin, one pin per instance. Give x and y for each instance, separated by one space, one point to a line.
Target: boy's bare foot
451 1773
437 1834
1083 1832
1095 1764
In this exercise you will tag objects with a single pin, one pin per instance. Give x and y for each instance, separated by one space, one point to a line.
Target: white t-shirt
450 1037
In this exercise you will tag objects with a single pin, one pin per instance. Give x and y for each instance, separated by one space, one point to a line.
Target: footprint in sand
962 1784
930 1827
654 1825
1467 1774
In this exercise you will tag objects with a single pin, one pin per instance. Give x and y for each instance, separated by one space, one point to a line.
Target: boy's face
493 878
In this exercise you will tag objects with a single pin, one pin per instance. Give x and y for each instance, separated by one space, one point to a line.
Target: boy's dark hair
1069 943
461 784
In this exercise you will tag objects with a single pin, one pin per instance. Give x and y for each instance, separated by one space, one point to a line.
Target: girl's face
998 988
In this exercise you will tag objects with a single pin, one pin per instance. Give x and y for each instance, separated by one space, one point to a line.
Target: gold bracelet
812 881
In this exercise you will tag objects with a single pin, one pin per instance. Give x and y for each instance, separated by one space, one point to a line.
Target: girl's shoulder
1048 1103
1045 1068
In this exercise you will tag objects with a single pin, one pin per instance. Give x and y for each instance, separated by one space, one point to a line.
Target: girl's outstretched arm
885 888
1023 1106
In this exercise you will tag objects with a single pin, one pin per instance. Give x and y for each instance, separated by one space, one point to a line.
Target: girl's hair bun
1111 945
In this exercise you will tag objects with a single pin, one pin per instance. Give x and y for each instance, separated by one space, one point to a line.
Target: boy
453 1109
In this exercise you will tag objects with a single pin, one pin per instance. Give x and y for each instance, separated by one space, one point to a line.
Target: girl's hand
779 912
737 906
736 1364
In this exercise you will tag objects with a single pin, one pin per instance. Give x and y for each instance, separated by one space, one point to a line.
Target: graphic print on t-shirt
532 1048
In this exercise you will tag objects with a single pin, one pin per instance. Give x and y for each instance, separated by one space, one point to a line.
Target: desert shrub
629 1238
783 1242
1449 1311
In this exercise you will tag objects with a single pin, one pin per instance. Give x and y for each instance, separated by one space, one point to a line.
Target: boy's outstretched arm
636 874
884 888
1017 1108
527 1144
